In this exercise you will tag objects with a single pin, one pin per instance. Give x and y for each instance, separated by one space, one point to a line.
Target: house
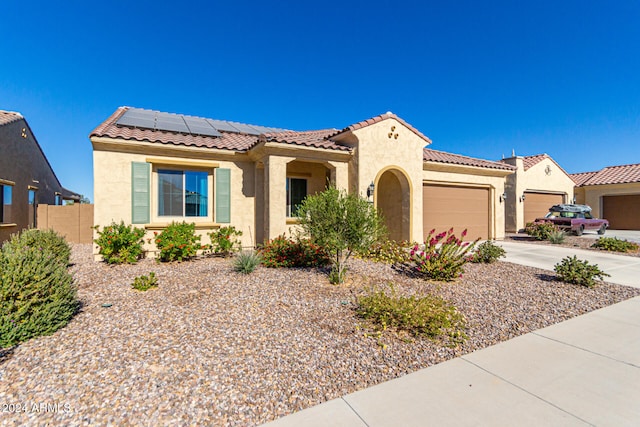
26 177
613 193
537 184
152 167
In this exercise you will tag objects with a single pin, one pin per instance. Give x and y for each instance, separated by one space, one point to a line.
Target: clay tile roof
612 175
226 141
582 177
7 117
314 138
430 155
377 119
529 161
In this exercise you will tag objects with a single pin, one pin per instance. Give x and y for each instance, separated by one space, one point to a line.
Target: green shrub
246 262
573 270
443 257
487 253
143 283
283 252
429 315
120 243
46 240
178 242
557 237
615 244
37 294
223 242
540 230
387 251
342 223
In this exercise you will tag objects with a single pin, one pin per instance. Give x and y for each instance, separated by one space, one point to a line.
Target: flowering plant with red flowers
443 256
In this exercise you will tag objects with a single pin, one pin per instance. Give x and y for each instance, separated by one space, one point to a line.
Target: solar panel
222 125
200 126
137 118
156 120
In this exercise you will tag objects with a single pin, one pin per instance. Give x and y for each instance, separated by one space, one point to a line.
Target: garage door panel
457 207
536 205
622 212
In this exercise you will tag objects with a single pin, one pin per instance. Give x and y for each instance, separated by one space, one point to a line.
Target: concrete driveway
630 235
624 270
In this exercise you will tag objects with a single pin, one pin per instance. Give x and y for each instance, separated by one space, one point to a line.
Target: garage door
623 212
457 207
537 205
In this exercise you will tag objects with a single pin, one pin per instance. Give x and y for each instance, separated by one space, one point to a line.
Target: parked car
575 218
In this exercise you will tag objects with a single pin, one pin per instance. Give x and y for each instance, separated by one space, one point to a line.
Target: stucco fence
74 222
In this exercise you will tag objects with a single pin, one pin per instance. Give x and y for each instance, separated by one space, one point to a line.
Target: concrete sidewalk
585 371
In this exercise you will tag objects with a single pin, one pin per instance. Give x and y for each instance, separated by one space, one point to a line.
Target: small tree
342 224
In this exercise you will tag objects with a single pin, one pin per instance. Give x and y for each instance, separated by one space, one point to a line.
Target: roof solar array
156 120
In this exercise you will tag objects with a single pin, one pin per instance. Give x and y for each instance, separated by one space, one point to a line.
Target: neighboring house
151 168
613 193
26 177
537 184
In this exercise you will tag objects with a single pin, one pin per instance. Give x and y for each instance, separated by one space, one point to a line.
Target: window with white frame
6 191
182 193
296 192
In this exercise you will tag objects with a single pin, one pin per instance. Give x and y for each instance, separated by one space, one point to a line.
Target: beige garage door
536 205
457 207
623 212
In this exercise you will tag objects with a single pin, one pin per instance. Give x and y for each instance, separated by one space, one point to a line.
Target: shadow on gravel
6 354
547 277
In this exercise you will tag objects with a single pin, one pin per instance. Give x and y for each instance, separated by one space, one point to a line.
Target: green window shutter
140 189
223 195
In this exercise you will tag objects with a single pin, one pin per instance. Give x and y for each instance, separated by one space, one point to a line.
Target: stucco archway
393 201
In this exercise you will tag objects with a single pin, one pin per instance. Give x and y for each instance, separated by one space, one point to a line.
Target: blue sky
479 78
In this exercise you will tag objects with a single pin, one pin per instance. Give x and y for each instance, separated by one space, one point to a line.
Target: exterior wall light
370 189
503 197
522 197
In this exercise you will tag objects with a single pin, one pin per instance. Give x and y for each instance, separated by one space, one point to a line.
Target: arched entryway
393 200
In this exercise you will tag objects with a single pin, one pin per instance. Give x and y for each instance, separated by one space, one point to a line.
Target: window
296 192
182 193
33 206
5 207
58 201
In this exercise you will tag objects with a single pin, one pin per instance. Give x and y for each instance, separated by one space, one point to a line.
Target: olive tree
342 224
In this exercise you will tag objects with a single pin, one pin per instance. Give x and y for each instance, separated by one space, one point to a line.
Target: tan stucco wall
487 178
112 193
376 153
534 179
592 195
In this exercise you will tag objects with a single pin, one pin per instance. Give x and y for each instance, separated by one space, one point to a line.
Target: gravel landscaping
210 346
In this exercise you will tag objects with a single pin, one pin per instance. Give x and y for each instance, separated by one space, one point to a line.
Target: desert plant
540 230
615 244
120 243
246 262
387 251
579 272
223 241
143 283
46 240
177 242
342 224
443 257
557 237
428 315
283 252
487 253
37 294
